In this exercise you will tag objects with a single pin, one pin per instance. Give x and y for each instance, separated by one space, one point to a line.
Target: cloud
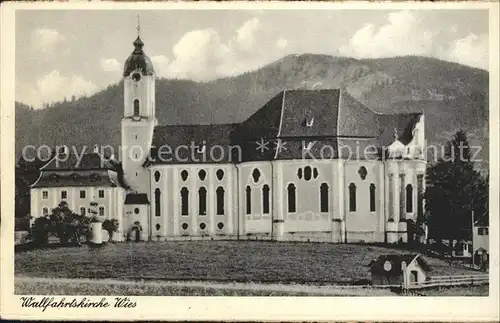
202 55
246 34
110 65
161 64
54 87
198 54
401 35
281 43
471 50
45 40
406 33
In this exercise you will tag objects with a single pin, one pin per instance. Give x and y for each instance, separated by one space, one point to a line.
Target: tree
40 231
67 225
111 226
454 191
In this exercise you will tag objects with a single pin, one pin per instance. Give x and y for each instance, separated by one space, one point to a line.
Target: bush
22 224
40 231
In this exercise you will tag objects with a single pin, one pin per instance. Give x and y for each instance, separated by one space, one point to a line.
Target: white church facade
310 165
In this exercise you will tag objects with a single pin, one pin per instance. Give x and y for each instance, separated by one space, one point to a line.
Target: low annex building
310 165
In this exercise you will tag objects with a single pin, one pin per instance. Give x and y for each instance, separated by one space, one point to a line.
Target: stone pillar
392 223
402 225
402 198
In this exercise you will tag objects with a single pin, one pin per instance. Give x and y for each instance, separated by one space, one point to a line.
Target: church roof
87 178
328 117
180 138
138 60
86 161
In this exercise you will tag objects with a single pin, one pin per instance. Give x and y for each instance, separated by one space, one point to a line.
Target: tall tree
454 191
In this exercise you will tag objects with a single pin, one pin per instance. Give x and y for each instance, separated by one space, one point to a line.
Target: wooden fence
443 281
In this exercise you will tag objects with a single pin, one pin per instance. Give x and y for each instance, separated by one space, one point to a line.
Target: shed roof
136 198
377 266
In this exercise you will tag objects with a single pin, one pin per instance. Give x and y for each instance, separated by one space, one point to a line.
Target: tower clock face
136 77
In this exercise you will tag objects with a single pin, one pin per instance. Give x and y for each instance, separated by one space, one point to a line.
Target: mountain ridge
452 96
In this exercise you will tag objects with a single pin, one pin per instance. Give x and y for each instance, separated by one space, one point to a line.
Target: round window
136 210
157 176
203 226
220 225
158 226
184 226
184 175
220 174
202 174
136 77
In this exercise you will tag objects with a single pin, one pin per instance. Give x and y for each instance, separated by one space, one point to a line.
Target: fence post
405 280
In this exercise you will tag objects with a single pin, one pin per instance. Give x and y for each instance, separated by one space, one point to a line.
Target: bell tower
139 119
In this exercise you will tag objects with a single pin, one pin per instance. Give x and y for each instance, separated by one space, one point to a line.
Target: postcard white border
247 308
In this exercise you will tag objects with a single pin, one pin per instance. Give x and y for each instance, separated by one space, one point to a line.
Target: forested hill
452 96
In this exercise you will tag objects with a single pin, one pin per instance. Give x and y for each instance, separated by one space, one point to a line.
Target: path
327 290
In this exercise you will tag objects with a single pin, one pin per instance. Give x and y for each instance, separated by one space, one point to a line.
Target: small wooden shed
388 269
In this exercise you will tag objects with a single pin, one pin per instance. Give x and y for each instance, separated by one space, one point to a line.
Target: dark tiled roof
328 117
136 198
377 266
87 161
189 136
77 178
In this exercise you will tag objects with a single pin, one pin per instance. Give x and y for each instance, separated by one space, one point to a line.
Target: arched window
324 197
184 201
202 201
249 200
409 198
307 173
157 202
292 207
184 175
372 197
45 211
136 107
265 199
157 176
220 200
352 197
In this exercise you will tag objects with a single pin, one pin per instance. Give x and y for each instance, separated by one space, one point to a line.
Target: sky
61 53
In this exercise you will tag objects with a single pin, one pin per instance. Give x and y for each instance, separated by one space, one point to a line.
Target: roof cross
138 26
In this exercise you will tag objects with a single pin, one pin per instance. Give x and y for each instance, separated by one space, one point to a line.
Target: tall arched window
265 199
372 197
352 197
184 201
136 107
248 200
202 201
220 200
292 207
157 202
324 197
409 198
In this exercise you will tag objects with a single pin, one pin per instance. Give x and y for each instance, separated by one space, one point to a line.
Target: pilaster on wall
278 219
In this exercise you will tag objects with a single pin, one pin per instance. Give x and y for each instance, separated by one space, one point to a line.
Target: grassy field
242 261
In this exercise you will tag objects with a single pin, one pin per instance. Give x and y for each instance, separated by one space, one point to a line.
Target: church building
309 165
